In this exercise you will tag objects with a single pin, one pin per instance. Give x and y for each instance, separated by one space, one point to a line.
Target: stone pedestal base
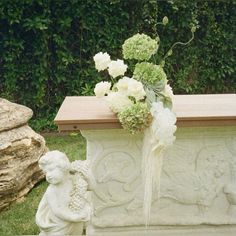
164 231
198 184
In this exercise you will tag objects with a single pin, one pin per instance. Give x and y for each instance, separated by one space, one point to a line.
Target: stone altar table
198 183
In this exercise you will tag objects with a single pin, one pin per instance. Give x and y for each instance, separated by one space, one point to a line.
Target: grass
19 219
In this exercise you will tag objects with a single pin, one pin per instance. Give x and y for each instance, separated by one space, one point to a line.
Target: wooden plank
84 112
219 106
84 109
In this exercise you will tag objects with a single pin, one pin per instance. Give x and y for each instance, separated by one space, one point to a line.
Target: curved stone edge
13 115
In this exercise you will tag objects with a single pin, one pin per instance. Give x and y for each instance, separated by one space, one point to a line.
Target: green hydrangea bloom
135 118
140 47
149 74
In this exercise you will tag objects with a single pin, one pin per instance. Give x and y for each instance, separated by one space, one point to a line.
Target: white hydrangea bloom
116 68
168 91
163 125
118 102
102 88
101 60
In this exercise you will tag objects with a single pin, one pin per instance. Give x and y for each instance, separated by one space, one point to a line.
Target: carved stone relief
197 186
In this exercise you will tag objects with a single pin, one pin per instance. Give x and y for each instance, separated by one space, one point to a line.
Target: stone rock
13 115
20 150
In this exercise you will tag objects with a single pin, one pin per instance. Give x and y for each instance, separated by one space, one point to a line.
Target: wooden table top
85 112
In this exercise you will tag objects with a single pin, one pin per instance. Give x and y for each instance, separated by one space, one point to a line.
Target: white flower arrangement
142 103
148 84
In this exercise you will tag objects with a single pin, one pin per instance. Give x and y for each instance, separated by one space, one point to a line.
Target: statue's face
54 175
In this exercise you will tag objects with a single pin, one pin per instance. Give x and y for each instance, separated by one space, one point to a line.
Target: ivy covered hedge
46 46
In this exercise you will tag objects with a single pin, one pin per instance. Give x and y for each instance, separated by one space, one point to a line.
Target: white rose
102 88
116 68
122 84
118 102
135 89
101 60
131 87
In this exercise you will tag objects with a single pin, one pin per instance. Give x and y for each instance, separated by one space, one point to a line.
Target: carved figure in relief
64 207
204 183
115 167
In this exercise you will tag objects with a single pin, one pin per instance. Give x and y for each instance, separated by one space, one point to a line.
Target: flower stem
169 52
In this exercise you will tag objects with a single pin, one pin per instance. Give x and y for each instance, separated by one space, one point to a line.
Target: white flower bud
170 52
165 20
193 29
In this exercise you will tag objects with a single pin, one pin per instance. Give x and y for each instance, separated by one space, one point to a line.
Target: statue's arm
40 212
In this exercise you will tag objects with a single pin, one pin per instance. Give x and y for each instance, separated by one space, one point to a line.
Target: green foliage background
46 46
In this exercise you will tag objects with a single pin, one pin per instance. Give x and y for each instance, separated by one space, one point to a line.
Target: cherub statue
64 207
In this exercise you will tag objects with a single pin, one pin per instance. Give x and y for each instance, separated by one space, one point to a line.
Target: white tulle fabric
157 138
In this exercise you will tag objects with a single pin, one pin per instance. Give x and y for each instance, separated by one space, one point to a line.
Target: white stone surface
197 187
164 231
64 207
